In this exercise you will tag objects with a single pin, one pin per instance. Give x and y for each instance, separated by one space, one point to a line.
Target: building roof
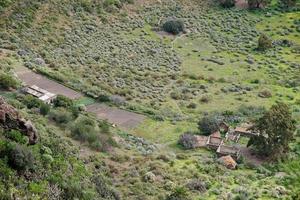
40 93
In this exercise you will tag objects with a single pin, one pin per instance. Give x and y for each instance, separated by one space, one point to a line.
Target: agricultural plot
30 78
121 118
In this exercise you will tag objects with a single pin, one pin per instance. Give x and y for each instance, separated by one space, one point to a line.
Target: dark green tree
276 129
173 26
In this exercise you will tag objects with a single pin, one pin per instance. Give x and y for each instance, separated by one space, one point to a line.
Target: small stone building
214 142
232 136
225 150
41 94
244 131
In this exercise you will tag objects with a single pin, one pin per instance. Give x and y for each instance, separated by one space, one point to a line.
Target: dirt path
123 119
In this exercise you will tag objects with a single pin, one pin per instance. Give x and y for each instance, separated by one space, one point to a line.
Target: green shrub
265 93
7 81
227 3
84 130
63 101
173 26
103 98
75 110
179 193
60 116
208 125
73 190
16 136
20 158
31 102
44 109
104 127
205 99
5 3
288 3
264 42
6 172
108 3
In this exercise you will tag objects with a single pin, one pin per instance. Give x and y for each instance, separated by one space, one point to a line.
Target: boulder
228 162
10 119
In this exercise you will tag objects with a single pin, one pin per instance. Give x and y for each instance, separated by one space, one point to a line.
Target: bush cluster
264 42
208 125
173 26
227 3
61 116
18 156
7 82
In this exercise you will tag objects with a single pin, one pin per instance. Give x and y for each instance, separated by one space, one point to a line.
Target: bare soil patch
121 118
251 157
31 78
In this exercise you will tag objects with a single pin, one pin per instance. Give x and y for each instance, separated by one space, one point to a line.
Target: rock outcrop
11 119
228 162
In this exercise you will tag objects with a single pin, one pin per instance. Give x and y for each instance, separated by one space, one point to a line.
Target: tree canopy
276 130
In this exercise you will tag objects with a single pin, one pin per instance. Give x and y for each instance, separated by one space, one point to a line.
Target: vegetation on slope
103 50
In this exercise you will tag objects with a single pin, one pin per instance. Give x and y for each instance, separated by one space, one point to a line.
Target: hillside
132 89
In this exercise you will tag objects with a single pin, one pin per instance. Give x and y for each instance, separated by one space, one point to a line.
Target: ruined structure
245 130
10 119
216 142
224 150
41 94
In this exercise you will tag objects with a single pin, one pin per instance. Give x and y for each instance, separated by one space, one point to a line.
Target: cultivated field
121 118
30 78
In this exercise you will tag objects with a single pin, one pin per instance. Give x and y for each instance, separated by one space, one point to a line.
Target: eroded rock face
10 119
